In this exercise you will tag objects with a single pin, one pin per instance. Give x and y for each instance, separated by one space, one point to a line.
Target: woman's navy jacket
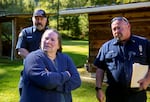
45 81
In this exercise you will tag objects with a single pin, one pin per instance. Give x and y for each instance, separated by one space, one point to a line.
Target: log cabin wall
21 22
100 31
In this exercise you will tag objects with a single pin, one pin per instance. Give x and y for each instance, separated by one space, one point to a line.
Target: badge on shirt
29 37
140 49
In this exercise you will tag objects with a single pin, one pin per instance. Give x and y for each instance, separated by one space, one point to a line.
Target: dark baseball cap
39 12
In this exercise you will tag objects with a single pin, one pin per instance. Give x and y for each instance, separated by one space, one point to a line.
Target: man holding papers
126 60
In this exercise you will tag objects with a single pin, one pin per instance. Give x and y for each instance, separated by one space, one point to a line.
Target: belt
134 90
126 89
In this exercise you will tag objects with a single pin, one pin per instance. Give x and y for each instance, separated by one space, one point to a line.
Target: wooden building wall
100 31
21 23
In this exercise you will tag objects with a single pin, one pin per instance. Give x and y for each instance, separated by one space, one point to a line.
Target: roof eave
104 8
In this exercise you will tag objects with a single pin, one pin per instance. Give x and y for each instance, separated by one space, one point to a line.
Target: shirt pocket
110 59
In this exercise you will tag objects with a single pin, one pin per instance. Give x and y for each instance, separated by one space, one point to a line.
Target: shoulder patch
20 34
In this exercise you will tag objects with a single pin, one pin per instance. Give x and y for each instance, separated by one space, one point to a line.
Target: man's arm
99 80
99 77
23 52
144 83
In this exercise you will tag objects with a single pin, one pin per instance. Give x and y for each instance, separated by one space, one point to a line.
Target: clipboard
139 72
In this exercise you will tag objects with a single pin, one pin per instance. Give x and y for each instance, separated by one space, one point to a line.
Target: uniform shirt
29 38
45 81
117 59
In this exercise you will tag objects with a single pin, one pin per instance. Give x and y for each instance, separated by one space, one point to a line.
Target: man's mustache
39 24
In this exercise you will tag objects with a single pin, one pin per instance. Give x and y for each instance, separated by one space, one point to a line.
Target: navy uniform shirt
117 59
29 38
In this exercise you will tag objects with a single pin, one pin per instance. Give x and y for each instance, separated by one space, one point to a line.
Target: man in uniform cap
29 38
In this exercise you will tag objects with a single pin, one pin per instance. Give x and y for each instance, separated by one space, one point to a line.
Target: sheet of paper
139 72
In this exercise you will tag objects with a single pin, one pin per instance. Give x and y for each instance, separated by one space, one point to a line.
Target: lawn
78 50
9 77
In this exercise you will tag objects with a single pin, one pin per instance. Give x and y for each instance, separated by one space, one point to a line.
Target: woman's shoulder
36 53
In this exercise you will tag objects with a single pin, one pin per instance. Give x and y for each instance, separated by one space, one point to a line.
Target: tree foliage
76 25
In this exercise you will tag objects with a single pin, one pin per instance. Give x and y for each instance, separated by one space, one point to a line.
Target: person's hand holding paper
139 72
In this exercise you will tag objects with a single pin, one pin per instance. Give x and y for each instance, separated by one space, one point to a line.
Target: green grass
9 78
10 74
78 50
86 93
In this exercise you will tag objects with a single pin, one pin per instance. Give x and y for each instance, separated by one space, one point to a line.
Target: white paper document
139 72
